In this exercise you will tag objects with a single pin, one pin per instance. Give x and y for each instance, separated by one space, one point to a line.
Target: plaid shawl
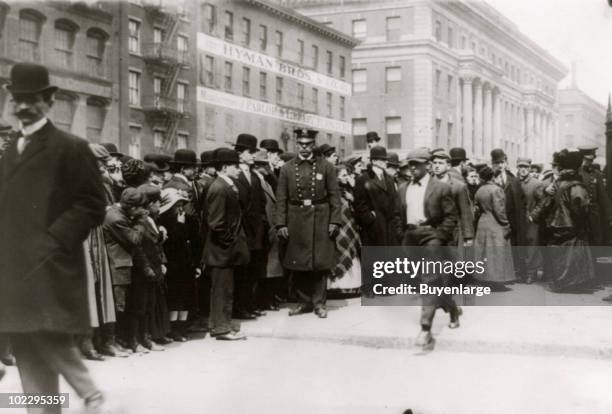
347 241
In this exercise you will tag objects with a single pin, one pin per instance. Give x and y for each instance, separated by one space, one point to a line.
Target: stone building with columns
75 41
443 74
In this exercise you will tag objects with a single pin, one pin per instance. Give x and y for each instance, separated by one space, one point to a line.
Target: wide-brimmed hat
99 152
523 162
393 159
169 197
498 155
372 136
457 154
151 192
185 157
270 145
112 149
246 142
326 150
225 156
158 162
418 155
206 157
29 78
378 153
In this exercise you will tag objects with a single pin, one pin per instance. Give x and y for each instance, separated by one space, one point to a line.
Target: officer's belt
308 202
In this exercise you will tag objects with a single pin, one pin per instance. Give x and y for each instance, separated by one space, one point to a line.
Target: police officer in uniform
599 210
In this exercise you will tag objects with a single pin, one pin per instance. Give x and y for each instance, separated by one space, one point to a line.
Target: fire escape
165 61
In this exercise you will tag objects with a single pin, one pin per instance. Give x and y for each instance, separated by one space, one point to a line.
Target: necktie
22 142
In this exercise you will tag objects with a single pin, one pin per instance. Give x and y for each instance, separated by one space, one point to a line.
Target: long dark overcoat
310 246
51 197
253 203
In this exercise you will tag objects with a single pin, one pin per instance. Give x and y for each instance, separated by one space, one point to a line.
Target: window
360 128
63 110
209 20
451 37
438 127
229 127
95 120
342 107
393 77
437 82
228 76
360 81
157 86
463 42
438 30
229 25
342 147
181 141
96 44
158 35
181 97
246 31
278 41
301 51
263 37
134 146
158 139
246 81
182 45
134 87
393 29
328 104
329 138
360 29
315 57
300 94
210 124
342 66
330 62
315 100
64 41
209 70
263 85
29 35
449 134
134 36
279 89
449 87
393 128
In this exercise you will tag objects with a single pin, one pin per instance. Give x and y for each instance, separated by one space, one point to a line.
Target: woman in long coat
492 232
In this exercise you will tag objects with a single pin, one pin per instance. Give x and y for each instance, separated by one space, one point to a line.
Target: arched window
96 45
96 112
64 42
30 25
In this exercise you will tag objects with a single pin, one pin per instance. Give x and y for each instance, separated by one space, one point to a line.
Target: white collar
378 171
422 182
302 158
32 128
226 179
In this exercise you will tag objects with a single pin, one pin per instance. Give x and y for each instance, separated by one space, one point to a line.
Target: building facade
76 42
265 69
582 121
443 74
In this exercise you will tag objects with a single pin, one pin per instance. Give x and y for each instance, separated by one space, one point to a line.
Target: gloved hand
283 232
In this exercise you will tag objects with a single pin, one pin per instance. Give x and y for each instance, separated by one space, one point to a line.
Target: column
459 113
523 150
467 114
477 143
79 117
488 120
496 121
529 129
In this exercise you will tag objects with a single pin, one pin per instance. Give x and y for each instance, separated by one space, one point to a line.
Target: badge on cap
319 176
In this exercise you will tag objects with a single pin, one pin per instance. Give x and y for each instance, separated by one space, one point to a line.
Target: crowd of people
181 244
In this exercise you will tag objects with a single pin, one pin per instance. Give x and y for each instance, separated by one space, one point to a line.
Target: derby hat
498 155
326 150
419 156
246 142
372 136
378 153
523 162
225 156
588 151
458 154
112 149
158 162
270 145
99 152
206 157
185 157
29 78
569 159
393 159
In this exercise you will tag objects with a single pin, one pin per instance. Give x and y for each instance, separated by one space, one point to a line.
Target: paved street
360 360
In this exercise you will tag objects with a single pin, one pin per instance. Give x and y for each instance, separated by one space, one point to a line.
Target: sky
571 30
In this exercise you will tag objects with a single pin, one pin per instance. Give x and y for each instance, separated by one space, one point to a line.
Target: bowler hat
185 157
378 153
326 150
418 155
523 162
393 159
112 149
206 157
498 155
225 156
29 78
372 136
587 151
158 162
457 154
270 145
246 142
99 152
569 159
